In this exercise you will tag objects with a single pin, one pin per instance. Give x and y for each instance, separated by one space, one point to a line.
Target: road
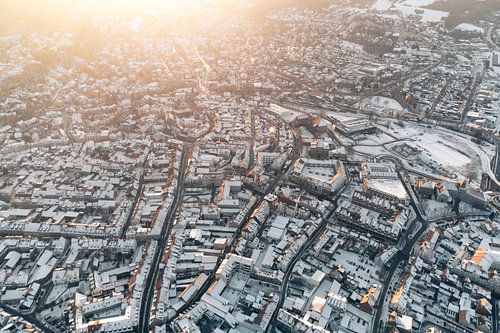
472 95
486 161
388 85
230 248
30 318
401 256
289 269
440 96
495 298
412 237
150 283
135 200
252 141
404 253
489 38
291 265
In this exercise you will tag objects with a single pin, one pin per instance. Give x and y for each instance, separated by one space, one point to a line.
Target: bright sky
40 15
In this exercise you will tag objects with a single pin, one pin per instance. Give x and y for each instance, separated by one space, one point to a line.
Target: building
356 126
323 177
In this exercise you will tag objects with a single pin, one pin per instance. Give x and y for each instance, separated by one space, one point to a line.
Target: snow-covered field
371 150
418 3
408 7
428 15
381 5
379 102
443 154
448 151
469 28
434 208
373 139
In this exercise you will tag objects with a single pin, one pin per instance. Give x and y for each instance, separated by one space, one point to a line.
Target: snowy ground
381 103
443 153
366 272
408 7
469 27
371 150
428 15
452 151
343 116
381 5
434 208
418 3
373 139
285 114
350 45
56 292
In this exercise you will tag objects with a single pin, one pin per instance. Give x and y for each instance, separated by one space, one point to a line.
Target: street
150 283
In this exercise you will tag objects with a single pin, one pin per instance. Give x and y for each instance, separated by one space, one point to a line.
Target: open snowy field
410 7
379 138
443 150
379 102
437 152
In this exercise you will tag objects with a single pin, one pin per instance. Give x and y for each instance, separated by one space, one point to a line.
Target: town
300 169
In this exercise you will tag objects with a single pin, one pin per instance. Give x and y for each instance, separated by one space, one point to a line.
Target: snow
393 186
434 208
380 102
469 28
56 292
428 15
349 10
351 262
408 7
445 150
373 139
344 116
371 150
418 3
442 153
381 5
350 45
286 114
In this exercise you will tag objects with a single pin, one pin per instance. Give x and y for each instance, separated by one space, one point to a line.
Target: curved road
289 269
403 254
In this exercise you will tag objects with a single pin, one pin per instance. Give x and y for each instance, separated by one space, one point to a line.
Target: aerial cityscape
246 166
